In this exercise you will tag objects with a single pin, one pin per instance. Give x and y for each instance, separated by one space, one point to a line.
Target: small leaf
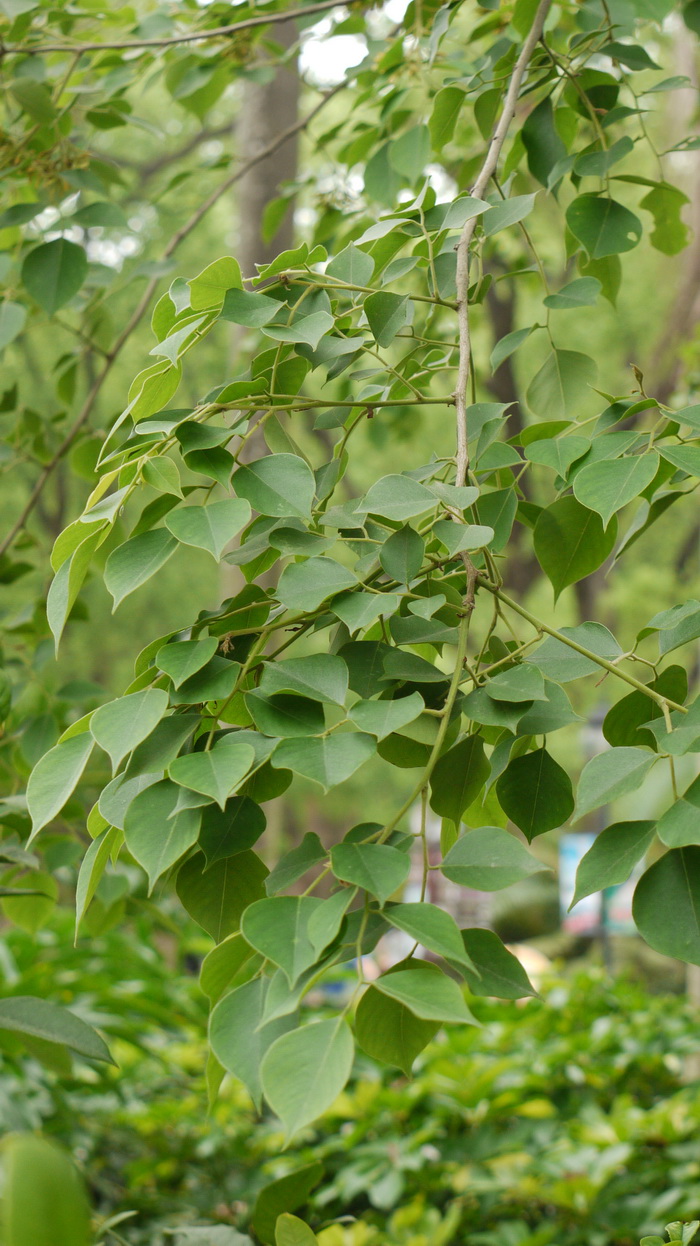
603 226
38 1018
55 777
216 772
431 997
233 829
387 313
294 865
120 725
432 927
666 905
12 320
458 777
398 497
382 718
277 928
608 486
209 527
306 329
612 857
155 834
185 658
489 859
130 565
217 897
210 287
162 474
387 1030
320 677
571 542
305 585
328 761
291 1231
609 775
401 555
304 1071
54 272
582 292
280 485
535 793
561 384
377 868
500 972
680 825
237 1037
509 212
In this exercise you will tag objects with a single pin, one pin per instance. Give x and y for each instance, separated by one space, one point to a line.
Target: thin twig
142 307
478 190
217 32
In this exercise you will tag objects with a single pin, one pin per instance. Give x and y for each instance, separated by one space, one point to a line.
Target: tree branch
218 32
141 308
478 190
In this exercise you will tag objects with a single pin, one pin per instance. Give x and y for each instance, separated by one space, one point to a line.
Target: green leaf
670 232
599 163
680 825
280 485
507 346
249 309
402 554
109 214
542 141
625 722
359 610
387 1031
185 658
233 829
221 965
687 458
238 1038
34 98
398 497
458 777
410 152
55 777
560 663
44 1198
304 1071
277 928
91 870
507 213
306 329
548 715
217 897
457 537
352 265
582 292
38 1018
53 273
328 761
120 725
447 106
294 864
283 1195
377 868
561 385
210 287
209 527
489 859
571 542
603 226
162 474
535 792
215 680
499 972
291 1231
520 683
216 772
327 920
609 775
429 996
284 715
130 565
432 927
612 857
382 718
12 320
387 313
67 583
558 452
304 585
608 486
666 905
321 677
155 834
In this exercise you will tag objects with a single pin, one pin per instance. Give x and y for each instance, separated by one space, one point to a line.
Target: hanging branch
142 307
218 32
478 190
